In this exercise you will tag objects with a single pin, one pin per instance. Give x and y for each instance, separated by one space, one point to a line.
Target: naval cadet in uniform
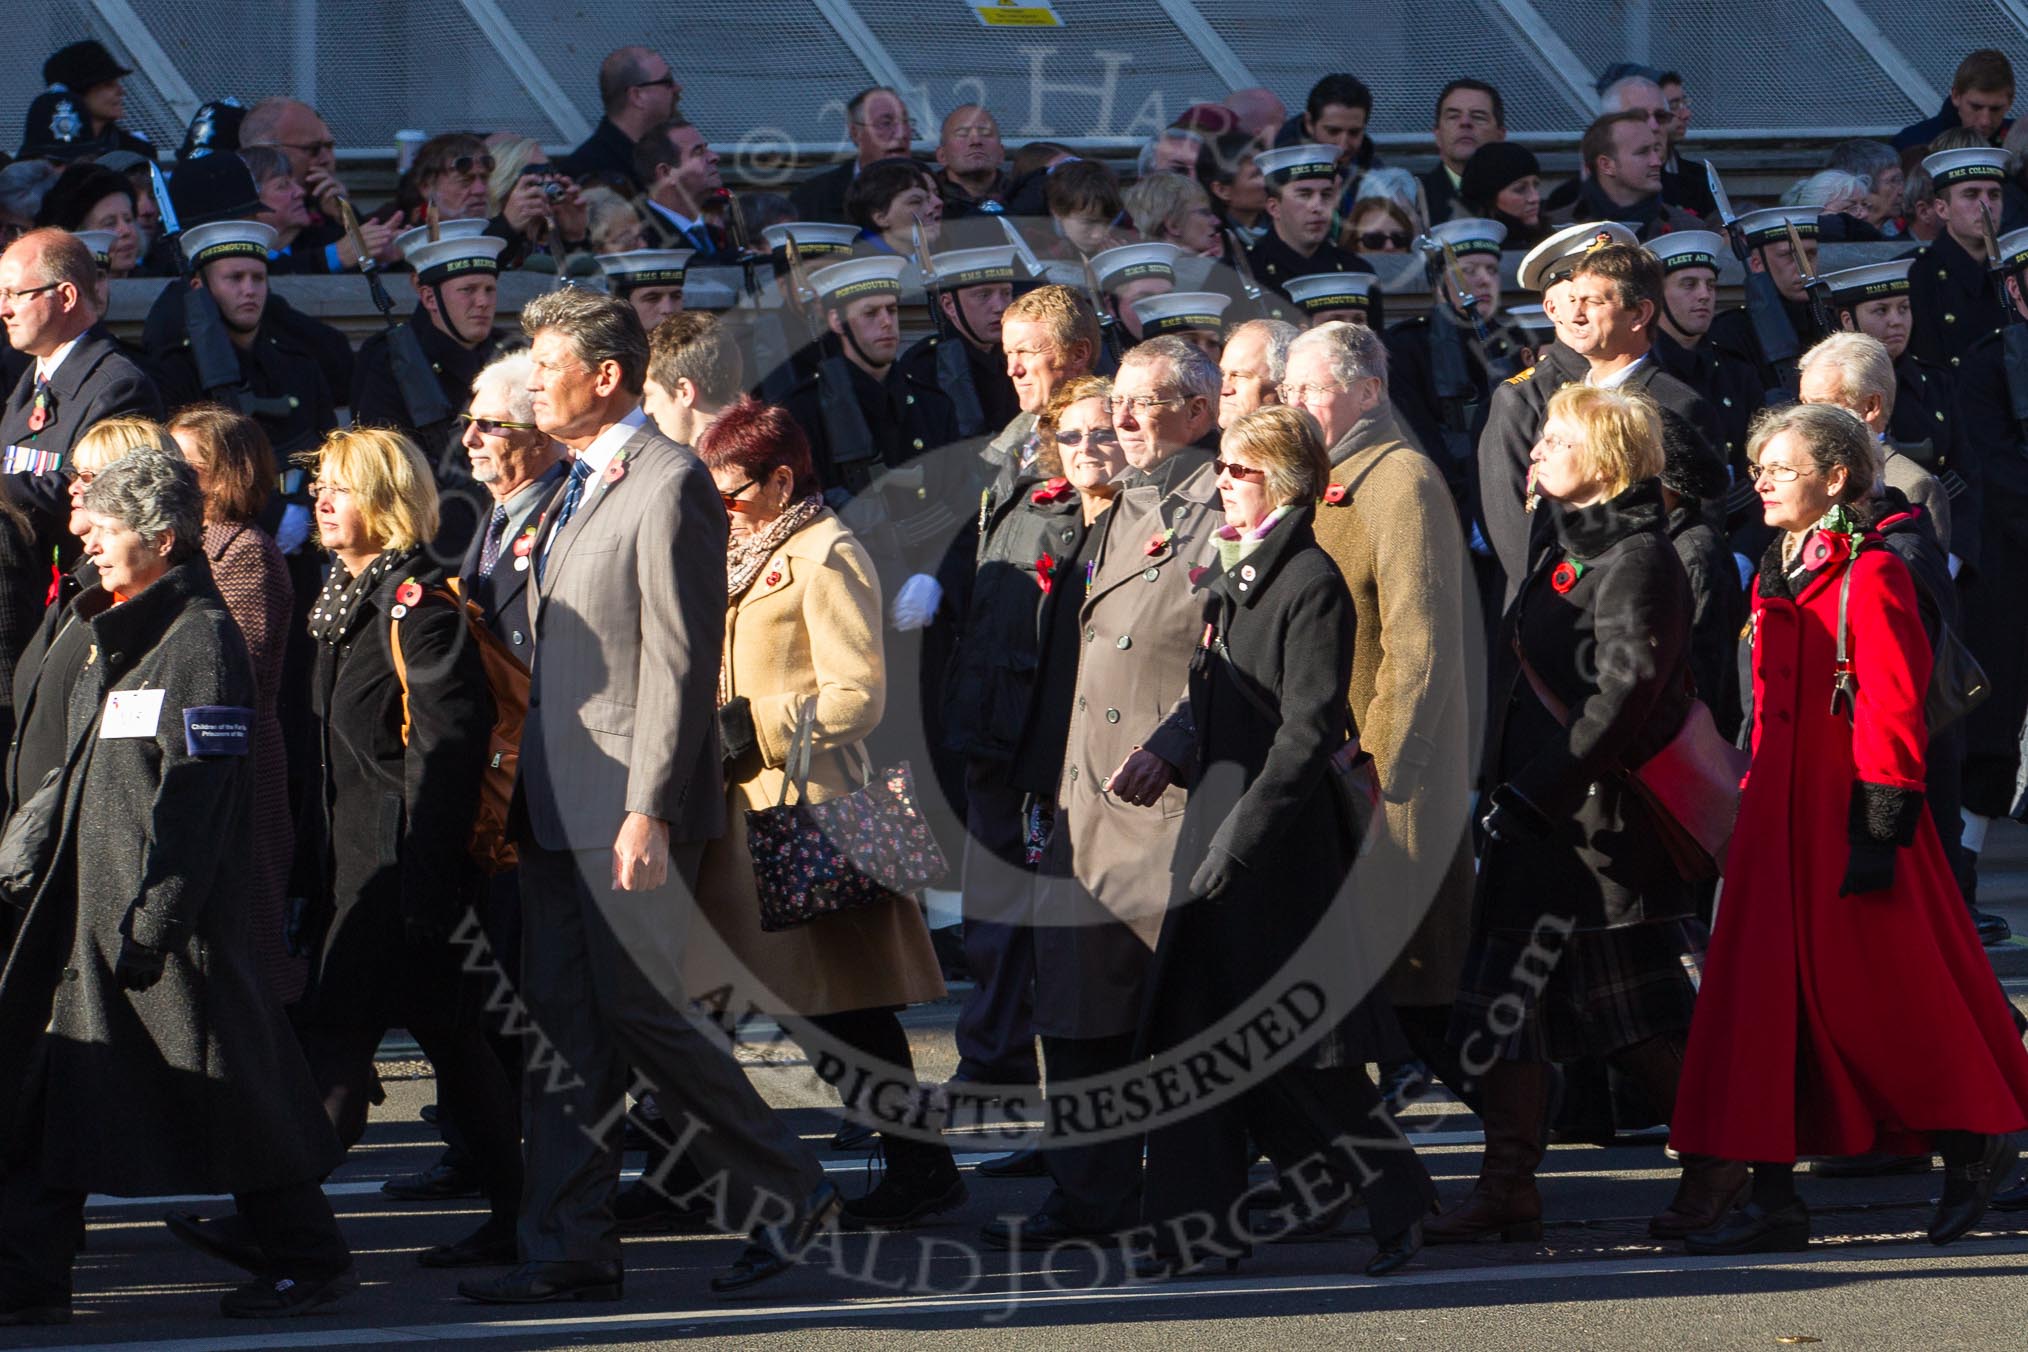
971 288
1951 299
1728 382
1302 182
651 280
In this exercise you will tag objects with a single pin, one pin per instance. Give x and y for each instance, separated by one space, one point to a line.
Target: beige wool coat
809 628
1415 698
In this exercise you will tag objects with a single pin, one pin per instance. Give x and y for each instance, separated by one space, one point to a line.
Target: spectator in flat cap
1503 182
637 90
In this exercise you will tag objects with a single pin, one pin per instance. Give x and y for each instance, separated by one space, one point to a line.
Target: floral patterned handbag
813 859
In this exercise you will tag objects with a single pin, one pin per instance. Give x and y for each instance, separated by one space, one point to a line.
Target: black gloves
1513 818
737 739
1216 875
138 967
1871 869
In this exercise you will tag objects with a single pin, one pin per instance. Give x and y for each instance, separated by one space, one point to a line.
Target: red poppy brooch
409 592
1565 576
617 470
1156 544
1336 494
1045 573
1056 490
524 543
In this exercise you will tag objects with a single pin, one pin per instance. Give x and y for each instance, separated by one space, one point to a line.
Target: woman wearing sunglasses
1262 856
803 630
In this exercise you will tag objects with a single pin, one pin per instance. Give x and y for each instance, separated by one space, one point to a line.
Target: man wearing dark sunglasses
1302 186
295 129
636 90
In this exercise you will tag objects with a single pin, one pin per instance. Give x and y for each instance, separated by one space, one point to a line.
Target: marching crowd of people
1621 687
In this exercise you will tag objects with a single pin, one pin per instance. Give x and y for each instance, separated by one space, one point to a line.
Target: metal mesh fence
778 71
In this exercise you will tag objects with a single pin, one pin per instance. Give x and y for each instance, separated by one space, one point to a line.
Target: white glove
1955 564
1746 570
915 605
295 528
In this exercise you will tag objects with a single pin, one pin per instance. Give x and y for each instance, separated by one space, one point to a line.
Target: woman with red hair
802 631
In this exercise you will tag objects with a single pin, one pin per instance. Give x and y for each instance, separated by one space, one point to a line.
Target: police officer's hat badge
64 123
202 130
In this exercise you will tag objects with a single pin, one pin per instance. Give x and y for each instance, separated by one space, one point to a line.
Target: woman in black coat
1586 941
149 1056
383 857
1263 853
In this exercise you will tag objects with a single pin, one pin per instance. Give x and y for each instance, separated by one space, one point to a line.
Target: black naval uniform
1952 303
1994 460
1275 264
1728 382
998 404
1929 429
1732 335
377 402
1448 430
1514 423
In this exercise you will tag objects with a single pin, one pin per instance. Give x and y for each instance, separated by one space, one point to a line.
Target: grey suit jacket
629 625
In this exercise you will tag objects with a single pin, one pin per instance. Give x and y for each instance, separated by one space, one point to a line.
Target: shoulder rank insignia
1522 376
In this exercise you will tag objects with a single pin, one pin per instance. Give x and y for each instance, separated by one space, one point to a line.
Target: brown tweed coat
1416 695
808 629
252 577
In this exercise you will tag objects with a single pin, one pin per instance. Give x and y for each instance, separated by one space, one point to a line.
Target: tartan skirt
1550 997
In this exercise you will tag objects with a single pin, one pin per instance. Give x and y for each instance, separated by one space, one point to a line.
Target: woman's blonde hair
1622 433
1159 203
110 438
1289 445
511 155
389 480
1049 456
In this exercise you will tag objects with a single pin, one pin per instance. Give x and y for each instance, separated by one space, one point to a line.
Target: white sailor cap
644 267
1181 312
2013 250
227 239
1689 249
1286 164
463 256
463 228
1770 225
852 279
1556 257
985 266
1531 319
1874 281
1964 166
1471 235
1321 292
100 242
1134 262
814 240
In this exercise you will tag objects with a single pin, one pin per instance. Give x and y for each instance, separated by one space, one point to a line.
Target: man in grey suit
620 788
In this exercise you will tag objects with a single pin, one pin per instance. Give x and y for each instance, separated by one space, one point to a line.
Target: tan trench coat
1415 694
808 628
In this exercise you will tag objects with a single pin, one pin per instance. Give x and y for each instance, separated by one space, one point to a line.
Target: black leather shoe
488 1246
1968 1188
281 1297
1023 1163
1993 929
1751 1229
228 1238
641 1210
771 1252
544 1283
1395 1251
438 1183
1873 1164
23 1316
1034 1232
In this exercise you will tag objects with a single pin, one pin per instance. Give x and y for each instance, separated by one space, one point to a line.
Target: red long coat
1832 1025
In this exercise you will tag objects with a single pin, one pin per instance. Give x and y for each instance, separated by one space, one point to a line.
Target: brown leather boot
1709 1188
1503 1204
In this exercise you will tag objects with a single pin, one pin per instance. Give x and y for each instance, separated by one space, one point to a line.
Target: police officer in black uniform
971 289
1302 184
1728 382
1440 371
417 377
1925 425
651 280
1770 251
1951 300
79 114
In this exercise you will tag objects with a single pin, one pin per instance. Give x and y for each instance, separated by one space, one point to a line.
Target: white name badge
132 713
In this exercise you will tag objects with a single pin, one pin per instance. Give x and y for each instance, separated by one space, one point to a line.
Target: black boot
1974 1166
921 1180
1774 1219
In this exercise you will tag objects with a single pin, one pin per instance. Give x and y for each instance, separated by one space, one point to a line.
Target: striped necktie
573 494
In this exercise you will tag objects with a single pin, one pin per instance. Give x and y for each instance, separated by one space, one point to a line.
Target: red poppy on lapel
1056 490
1045 569
409 592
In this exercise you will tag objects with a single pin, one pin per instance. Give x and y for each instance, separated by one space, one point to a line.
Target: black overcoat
194 1085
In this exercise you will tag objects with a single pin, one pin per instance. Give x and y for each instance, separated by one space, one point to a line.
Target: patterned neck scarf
745 558
338 605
